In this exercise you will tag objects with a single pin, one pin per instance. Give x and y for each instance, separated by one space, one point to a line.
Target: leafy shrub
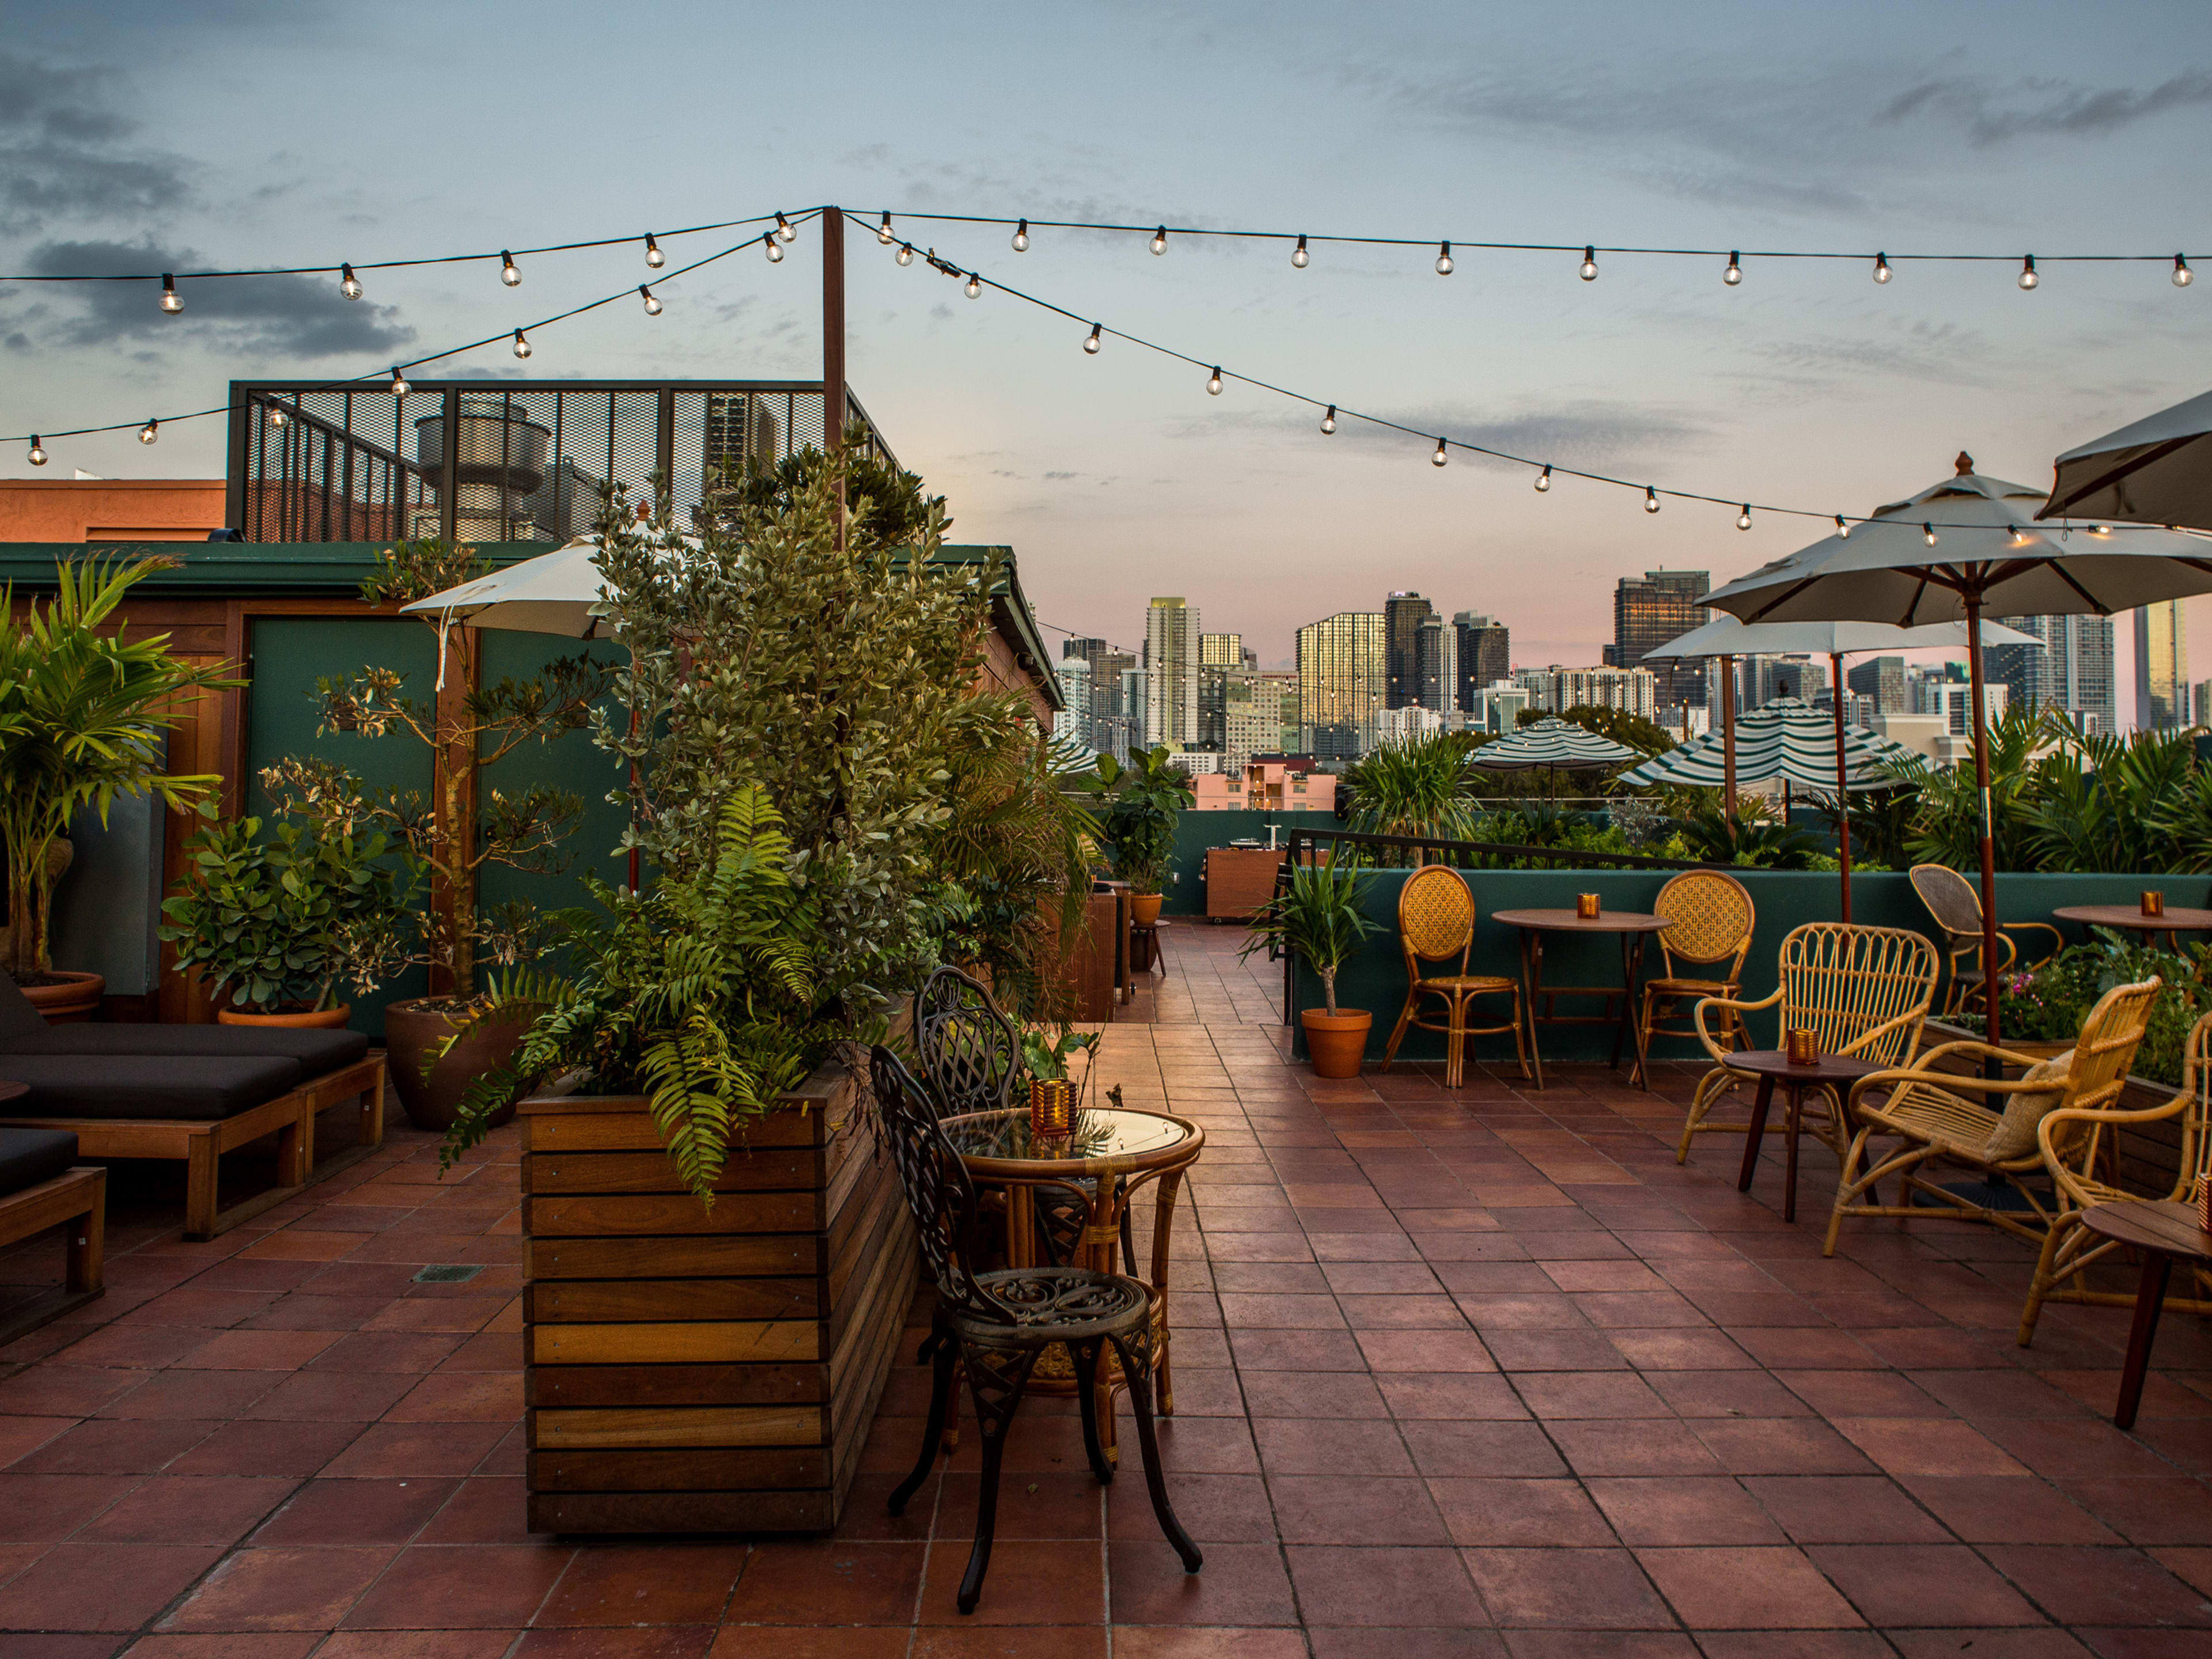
2049 1004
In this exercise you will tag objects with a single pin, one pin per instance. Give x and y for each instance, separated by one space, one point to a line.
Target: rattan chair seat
1711 987
1466 983
1938 1117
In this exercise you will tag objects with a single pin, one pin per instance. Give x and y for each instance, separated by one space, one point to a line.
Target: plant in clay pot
276 923
1141 802
1319 920
83 712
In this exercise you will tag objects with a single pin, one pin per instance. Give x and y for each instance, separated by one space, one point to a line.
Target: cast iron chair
994 1326
1956 909
1710 918
1436 922
970 1052
2070 1154
1924 1110
1862 991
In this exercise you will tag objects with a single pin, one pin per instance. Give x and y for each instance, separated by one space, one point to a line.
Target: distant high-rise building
1221 650
1557 689
1260 715
2070 671
2161 668
1342 679
1074 719
1486 654
1396 726
1401 625
1880 680
1171 648
1650 610
1436 666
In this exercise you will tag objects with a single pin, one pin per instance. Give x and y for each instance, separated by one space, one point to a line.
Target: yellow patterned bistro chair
2071 1140
1709 919
1956 909
1435 923
1863 992
1922 1108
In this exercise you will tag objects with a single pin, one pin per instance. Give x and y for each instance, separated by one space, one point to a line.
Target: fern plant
700 993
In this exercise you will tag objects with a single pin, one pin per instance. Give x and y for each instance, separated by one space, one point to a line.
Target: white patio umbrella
1729 637
1968 546
556 593
2156 470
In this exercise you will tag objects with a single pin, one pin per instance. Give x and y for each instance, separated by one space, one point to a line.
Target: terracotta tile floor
1475 1373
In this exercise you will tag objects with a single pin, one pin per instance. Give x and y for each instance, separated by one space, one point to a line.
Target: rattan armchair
1922 1107
2071 1141
1861 991
1710 917
1956 909
1436 922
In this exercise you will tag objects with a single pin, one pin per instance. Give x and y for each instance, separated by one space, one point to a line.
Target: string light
1090 345
348 284
149 433
2027 276
2183 275
277 419
775 248
170 303
1213 382
508 272
1439 458
1650 499
1328 421
1843 530
1160 240
1544 479
655 259
1443 259
1743 519
1928 534
1881 272
521 345
975 286
2101 530
905 255
1021 237
1734 274
1299 256
399 386
883 230
1589 265
653 305
38 455
785 231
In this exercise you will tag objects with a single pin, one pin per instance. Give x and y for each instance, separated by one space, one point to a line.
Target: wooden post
1843 785
833 344
1728 739
1973 598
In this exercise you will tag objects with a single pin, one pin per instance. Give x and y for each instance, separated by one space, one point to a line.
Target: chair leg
1455 1041
1641 1077
1136 1352
1519 1041
1085 1355
933 1433
2040 1286
996 1378
1718 1082
1398 1031
1844 1190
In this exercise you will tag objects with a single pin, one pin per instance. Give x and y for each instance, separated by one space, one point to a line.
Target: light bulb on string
1439 458
653 305
1298 254
1544 479
1743 519
2183 275
507 273
1734 274
883 230
399 386
277 418
784 230
653 256
38 455
1443 259
2101 530
521 344
775 248
1091 344
1160 240
1881 271
149 433
974 286
1843 529
1021 237
905 255
1213 381
348 284
1589 265
1650 499
1928 534
1329 420
170 304
2028 277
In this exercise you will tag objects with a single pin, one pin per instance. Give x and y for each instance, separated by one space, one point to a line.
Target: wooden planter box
1239 881
692 1371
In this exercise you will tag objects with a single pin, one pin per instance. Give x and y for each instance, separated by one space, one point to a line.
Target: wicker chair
995 1326
1710 918
1862 991
1923 1110
2071 1140
1436 922
969 1051
1956 908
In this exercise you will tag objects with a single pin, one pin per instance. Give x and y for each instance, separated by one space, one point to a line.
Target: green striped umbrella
1550 742
1789 739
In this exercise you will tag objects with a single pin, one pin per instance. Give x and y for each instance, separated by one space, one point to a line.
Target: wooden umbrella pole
1728 737
1843 785
1973 599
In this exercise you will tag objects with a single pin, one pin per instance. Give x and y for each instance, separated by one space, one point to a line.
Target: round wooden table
2130 918
2166 1233
1091 1174
1773 1066
1632 926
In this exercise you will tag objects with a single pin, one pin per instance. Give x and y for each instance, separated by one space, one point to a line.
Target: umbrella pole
1727 741
1973 599
1843 785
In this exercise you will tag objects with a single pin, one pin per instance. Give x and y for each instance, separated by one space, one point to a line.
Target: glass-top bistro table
1632 926
1079 1188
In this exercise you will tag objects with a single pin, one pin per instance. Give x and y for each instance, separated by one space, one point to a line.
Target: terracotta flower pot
294 1019
1144 908
1335 1042
73 996
412 1033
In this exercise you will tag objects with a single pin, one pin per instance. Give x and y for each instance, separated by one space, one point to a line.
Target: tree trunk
1329 988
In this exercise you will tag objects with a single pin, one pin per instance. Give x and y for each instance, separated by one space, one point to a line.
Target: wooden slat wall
690 1369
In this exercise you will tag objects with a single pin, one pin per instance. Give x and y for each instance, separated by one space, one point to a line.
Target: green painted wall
1197 831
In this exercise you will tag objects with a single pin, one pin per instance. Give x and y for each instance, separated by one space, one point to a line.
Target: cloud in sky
67 153
1992 111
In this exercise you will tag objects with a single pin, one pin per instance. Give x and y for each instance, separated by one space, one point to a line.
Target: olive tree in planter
451 832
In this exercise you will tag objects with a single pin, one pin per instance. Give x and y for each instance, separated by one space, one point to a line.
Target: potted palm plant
1319 920
1142 801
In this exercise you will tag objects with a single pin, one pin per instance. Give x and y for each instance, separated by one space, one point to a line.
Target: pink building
1265 786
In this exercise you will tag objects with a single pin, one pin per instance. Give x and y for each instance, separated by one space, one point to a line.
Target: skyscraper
1486 654
1882 680
1171 648
2161 668
2070 671
1436 665
1650 610
1221 650
1402 623
1342 678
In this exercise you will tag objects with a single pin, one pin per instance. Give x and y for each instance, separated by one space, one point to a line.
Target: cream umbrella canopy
2154 471
556 593
1960 550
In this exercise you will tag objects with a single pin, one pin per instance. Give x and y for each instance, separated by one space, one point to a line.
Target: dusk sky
154 137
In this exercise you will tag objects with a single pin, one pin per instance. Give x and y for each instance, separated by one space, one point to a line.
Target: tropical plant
283 919
82 714
2049 1004
1749 835
700 994
1418 788
1140 804
1318 920
1947 828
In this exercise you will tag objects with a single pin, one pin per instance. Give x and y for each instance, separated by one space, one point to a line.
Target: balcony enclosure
492 461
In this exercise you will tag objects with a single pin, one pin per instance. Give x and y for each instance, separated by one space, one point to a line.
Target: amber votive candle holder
1052 1107
1586 906
1803 1049
2153 904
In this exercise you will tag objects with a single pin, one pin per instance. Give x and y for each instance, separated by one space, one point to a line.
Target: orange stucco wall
110 509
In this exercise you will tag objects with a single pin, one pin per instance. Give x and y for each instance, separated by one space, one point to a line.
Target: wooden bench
77 1198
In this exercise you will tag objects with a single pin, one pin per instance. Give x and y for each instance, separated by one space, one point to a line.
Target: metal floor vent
446 1273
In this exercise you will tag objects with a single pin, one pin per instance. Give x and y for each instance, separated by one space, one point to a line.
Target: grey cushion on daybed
24 1031
193 1089
28 1156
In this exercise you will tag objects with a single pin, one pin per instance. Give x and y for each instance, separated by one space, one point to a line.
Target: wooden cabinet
1240 880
